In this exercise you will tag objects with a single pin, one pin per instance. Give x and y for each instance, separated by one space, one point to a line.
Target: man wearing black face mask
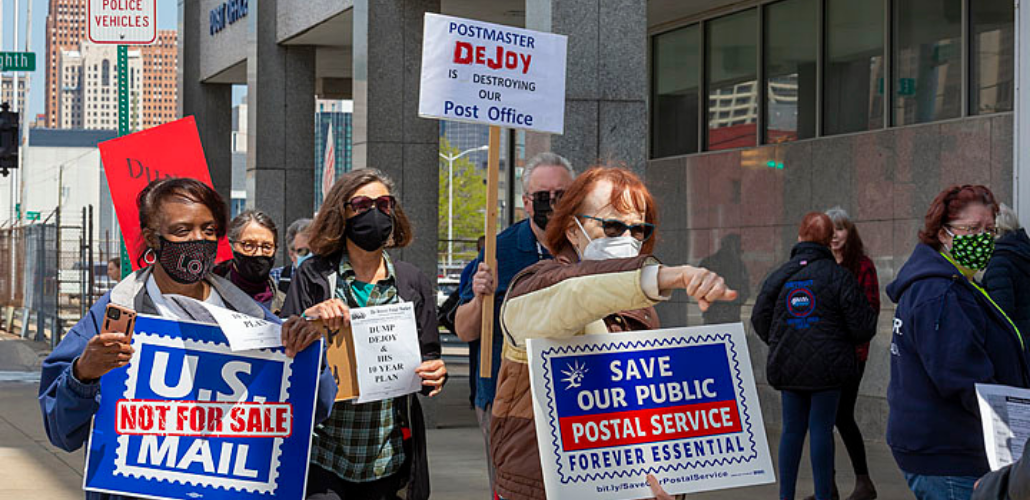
254 239
544 179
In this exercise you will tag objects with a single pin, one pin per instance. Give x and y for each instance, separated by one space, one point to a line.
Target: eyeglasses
993 231
613 228
548 197
362 204
253 247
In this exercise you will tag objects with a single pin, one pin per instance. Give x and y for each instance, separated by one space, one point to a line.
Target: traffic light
8 140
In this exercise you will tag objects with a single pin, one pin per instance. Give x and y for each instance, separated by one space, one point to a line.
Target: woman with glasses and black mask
181 221
371 450
254 240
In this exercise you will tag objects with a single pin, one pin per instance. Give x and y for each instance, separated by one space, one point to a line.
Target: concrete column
388 134
606 82
280 122
209 103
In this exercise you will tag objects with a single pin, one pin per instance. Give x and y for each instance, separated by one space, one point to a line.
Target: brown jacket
557 299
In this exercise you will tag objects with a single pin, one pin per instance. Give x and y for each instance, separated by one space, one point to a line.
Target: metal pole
450 212
85 272
92 268
123 129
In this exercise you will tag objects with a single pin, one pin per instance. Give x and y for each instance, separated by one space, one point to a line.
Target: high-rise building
160 91
89 88
7 92
338 115
66 28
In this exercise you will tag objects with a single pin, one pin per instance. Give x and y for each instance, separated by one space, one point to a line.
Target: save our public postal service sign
487 73
189 418
679 403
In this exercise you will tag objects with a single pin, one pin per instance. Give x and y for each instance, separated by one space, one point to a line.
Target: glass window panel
854 65
927 60
790 73
676 87
992 56
732 56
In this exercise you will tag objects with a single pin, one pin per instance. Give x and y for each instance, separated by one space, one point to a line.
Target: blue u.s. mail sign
188 418
680 404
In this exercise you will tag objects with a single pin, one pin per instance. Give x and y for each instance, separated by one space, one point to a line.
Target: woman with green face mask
948 335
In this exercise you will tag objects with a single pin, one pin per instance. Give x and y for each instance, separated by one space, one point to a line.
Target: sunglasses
547 197
362 204
614 228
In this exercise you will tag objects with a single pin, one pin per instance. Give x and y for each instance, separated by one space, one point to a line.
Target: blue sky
167 18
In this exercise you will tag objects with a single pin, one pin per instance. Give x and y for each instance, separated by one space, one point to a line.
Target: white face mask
618 247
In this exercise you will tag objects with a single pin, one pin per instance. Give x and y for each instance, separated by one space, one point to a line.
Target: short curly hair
946 207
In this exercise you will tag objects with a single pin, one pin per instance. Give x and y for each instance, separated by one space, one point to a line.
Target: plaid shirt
361 442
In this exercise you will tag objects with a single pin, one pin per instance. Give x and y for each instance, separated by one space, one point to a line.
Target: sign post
499 76
122 23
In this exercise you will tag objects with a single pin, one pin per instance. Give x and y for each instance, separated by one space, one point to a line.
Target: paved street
35 469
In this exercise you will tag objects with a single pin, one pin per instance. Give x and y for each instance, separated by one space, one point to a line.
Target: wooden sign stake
486 338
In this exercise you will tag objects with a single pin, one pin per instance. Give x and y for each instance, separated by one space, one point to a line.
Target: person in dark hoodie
1007 278
813 314
948 334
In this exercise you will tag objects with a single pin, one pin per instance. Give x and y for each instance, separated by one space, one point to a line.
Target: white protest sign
124 22
492 74
679 403
386 351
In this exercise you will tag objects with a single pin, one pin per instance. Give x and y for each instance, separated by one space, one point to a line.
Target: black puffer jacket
812 314
1007 278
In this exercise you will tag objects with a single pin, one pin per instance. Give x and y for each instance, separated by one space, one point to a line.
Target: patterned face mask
972 251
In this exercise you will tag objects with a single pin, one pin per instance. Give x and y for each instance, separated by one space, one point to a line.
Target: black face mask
187 262
541 212
369 230
253 268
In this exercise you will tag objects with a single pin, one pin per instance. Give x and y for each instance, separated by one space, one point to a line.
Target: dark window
853 74
732 57
927 62
677 79
992 60
790 72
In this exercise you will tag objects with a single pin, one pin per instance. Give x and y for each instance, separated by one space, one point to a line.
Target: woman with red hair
812 314
602 279
948 336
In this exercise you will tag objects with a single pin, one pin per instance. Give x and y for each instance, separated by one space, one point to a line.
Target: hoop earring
150 256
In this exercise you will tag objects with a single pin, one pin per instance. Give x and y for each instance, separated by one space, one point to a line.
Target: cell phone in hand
118 319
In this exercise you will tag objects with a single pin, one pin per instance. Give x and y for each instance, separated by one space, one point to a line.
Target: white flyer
1005 414
243 332
386 351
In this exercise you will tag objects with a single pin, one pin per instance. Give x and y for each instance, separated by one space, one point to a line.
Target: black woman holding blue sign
181 221
375 449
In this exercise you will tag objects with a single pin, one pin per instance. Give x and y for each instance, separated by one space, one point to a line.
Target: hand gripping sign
680 404
189 418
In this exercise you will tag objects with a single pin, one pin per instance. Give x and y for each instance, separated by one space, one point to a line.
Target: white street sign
123 22
492 74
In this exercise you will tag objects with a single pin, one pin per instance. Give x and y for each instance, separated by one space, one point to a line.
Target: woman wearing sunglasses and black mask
370 450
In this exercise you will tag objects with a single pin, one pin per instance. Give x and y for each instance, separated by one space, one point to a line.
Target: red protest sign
132 161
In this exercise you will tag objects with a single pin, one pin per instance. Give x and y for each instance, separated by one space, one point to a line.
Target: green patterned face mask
972 251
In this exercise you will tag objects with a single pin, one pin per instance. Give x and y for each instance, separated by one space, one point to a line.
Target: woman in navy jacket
948 336
182 220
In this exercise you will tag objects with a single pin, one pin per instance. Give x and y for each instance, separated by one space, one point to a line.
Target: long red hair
623 181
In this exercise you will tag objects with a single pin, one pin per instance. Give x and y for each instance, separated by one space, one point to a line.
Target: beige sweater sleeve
565 308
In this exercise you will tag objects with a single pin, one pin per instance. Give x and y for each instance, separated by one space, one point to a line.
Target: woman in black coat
371 450
812 314
1007 277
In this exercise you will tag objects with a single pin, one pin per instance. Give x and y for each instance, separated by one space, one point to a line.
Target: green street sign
17 61
31 215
